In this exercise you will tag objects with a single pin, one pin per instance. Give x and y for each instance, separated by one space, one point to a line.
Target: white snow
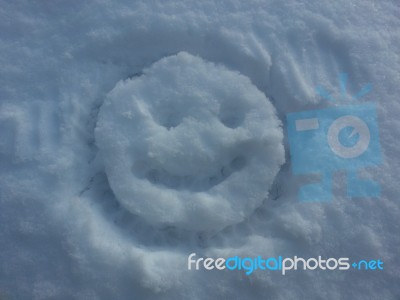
88 91
189 141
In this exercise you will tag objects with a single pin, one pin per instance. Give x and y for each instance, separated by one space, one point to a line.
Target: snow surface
67 227
189 141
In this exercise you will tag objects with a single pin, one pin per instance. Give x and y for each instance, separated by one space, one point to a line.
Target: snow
80 103
189 141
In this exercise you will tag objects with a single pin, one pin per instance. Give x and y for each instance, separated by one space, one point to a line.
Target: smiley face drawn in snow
189 144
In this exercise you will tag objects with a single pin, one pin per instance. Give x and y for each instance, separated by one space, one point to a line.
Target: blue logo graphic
343 137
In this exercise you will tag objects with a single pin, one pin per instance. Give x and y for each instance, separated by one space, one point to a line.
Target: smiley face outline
234 134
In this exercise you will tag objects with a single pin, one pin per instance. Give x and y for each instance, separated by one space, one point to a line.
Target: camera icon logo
344 137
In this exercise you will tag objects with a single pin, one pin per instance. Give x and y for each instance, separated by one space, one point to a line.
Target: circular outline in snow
189 144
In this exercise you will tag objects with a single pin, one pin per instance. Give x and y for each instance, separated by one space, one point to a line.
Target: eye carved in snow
231 118
189 144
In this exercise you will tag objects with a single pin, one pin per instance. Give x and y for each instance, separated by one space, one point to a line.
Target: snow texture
188 141
97 116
